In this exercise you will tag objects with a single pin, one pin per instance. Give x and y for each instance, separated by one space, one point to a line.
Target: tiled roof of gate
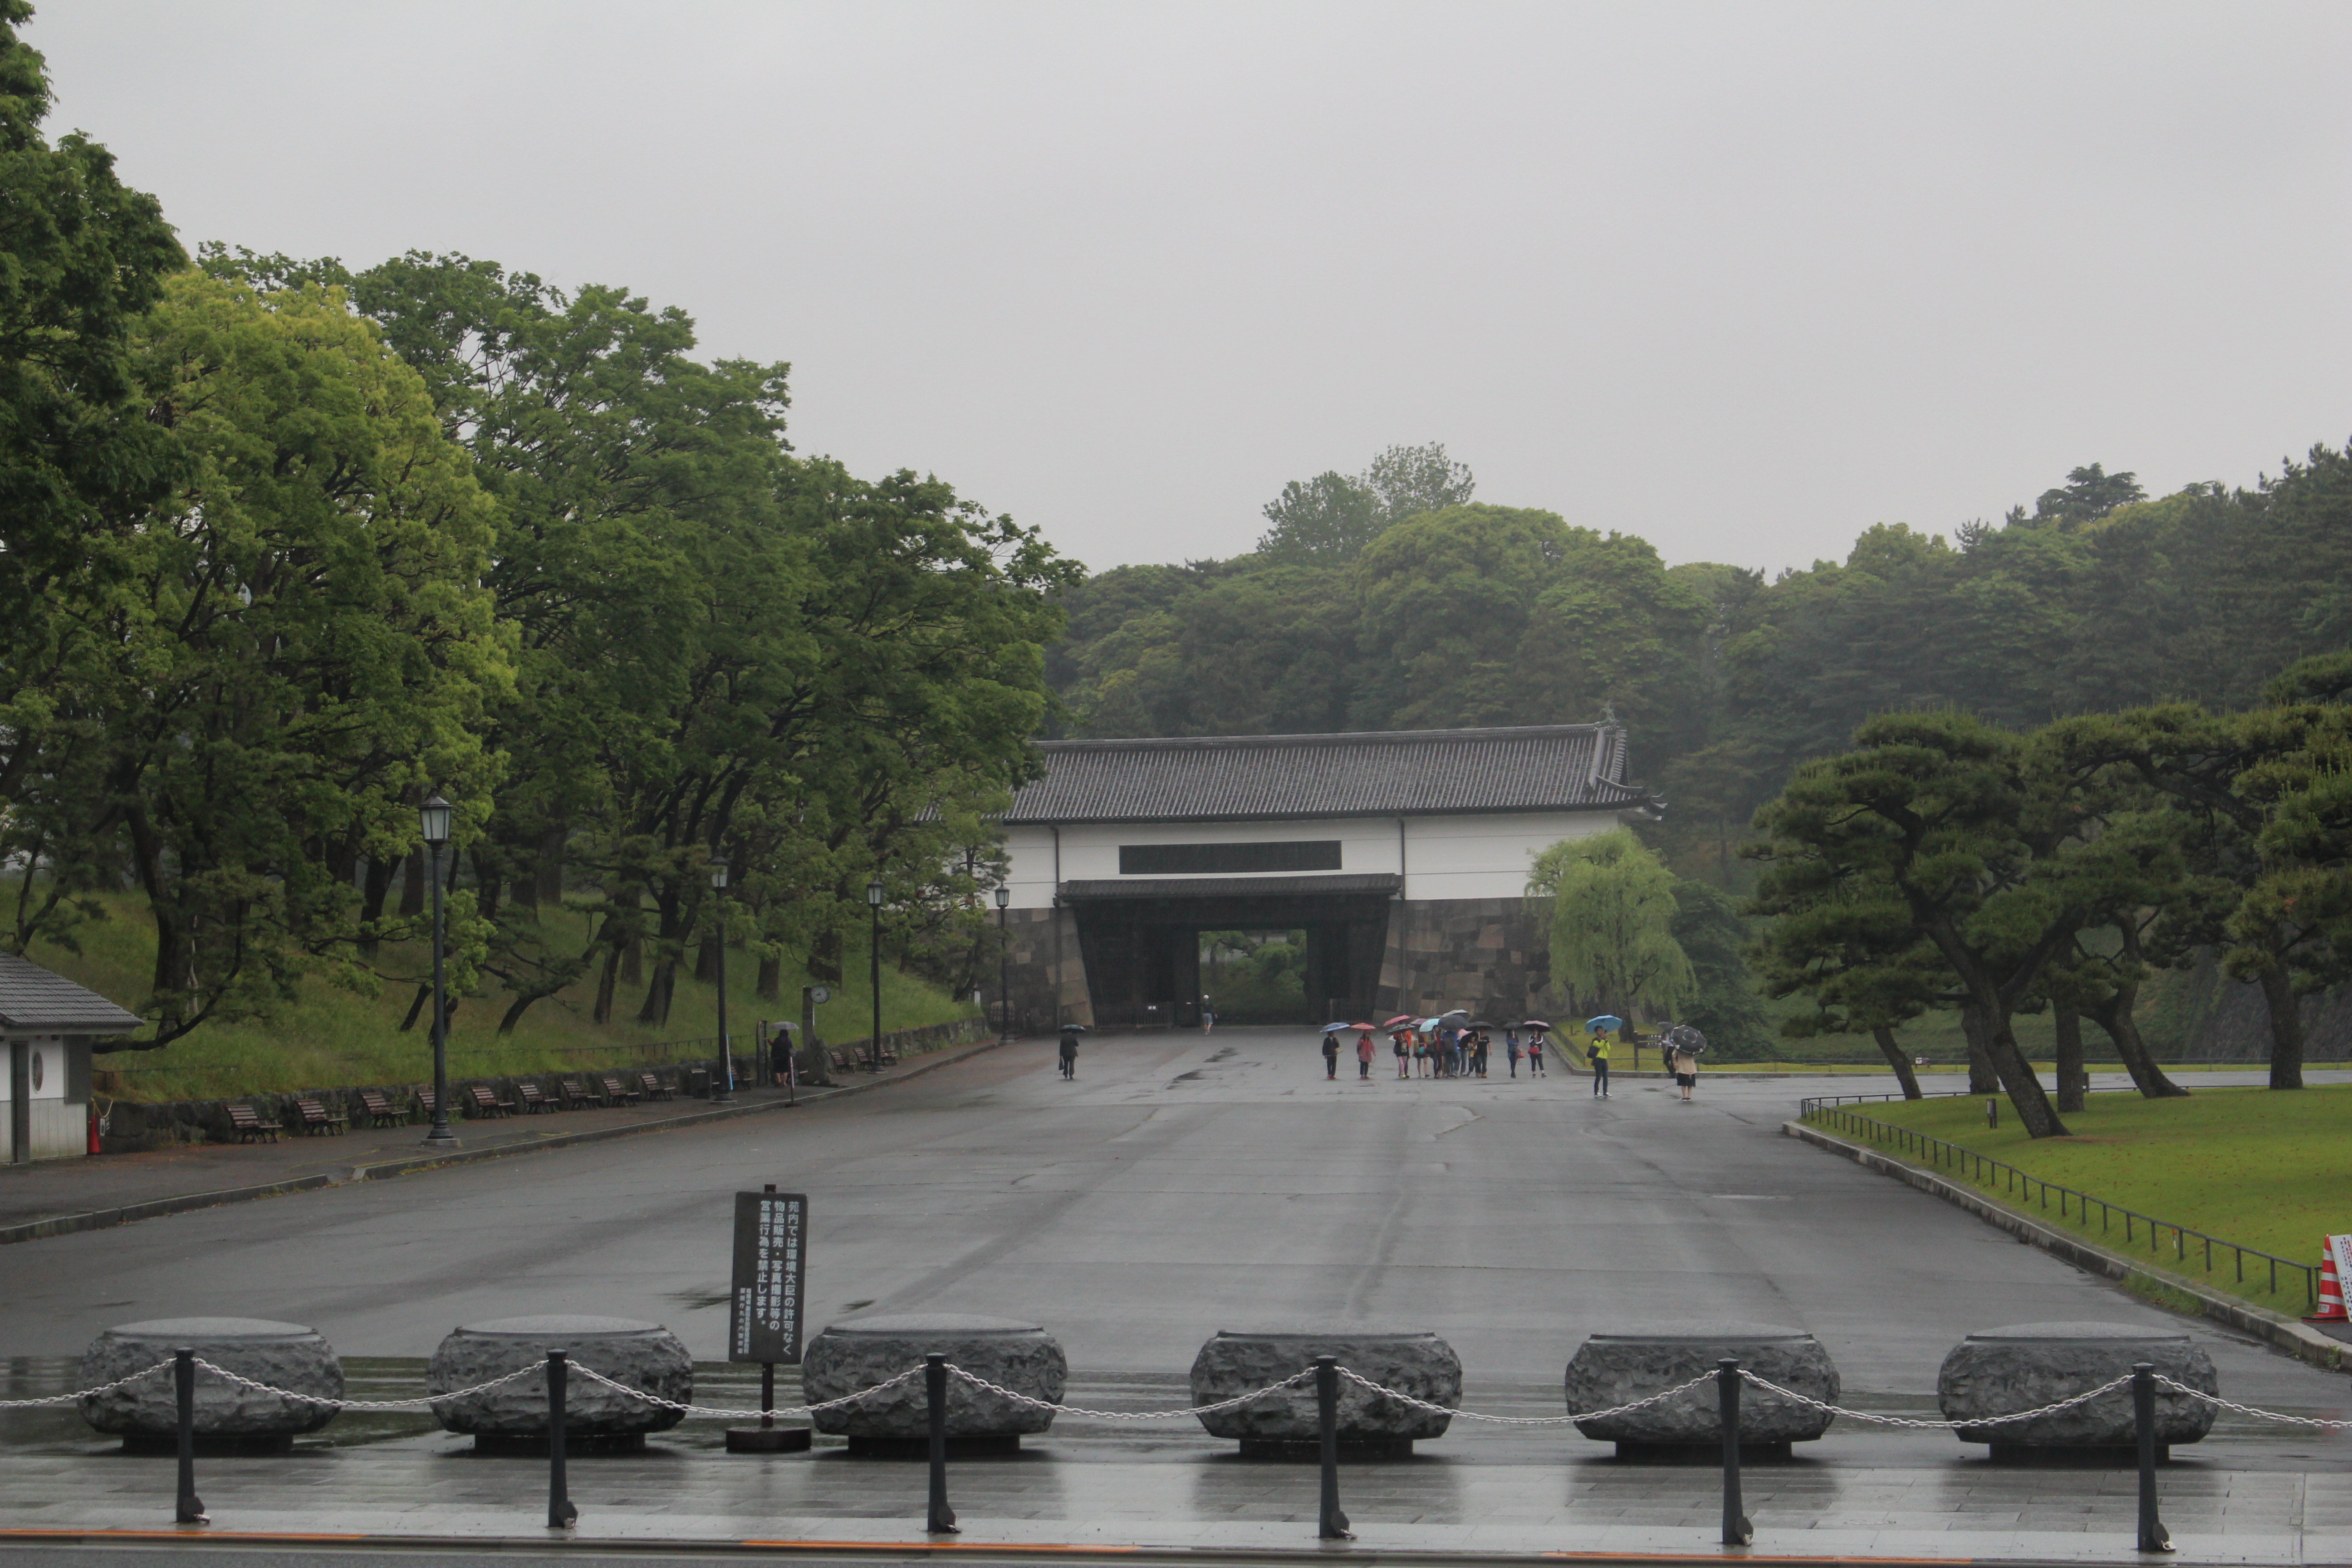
1395 773
34 1000
1228 886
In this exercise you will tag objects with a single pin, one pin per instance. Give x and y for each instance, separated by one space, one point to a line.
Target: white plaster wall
1469 857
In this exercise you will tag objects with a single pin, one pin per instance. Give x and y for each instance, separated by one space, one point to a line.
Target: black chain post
935 1389
560 1514
1737 1529
2153 1536
1334 1524
189 1509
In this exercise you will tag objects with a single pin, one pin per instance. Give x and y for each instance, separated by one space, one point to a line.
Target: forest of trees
285 547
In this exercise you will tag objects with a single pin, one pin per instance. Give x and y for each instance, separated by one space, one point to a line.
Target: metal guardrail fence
1985 1171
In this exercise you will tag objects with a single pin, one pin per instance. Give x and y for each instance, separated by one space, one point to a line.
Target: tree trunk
372 893
2033 1107
657 994
551 865
416 1005
1897 1058
2115 1017
771 978
2072 1079
706 961
825 958
412 884
603 1012
632 959
2286 1026
1982 1079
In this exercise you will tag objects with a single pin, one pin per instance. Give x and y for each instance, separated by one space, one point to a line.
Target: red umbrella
1401 1021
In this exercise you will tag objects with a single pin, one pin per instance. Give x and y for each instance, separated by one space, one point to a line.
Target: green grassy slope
2264 1169
328 1036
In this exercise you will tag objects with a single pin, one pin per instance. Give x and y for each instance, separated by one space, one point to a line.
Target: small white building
1403 855
49 1025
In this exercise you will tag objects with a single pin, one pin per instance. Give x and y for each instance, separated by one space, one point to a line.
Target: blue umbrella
1605 1021
1335 1029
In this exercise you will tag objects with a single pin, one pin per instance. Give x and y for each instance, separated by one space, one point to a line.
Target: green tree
1329 518
1611 915
1931 813
1708 929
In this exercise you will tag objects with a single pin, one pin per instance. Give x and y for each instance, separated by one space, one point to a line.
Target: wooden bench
842 1060
424 1105
486 1102
655 1088
618 1093
247 1124
576 1094
380 1110
532 1099
317 1118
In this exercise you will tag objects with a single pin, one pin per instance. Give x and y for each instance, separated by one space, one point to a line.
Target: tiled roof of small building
1395 773
32 1000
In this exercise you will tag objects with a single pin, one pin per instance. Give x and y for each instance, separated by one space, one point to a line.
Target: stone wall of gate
1489 955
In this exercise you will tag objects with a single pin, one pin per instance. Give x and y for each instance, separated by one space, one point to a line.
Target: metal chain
1403 1397
86 1393
713 1411
1018 1398
2215 1399
425 1403
2085 1398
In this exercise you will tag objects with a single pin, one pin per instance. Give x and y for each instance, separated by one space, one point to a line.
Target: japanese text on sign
771 1241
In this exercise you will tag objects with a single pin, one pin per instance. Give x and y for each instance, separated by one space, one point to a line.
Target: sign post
763 1306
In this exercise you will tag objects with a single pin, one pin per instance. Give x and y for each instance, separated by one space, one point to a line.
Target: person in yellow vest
1597 1053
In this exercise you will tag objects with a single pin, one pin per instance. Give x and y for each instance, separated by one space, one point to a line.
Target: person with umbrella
1400 1030
1511 1049
1535 1028
1331 1033
1070 1033
1363 1053
1685 1046
1596 1051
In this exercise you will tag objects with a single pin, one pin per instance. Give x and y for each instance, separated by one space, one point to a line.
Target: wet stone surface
1610 1370
865 1352
2029 1364
283 1355
1238 1361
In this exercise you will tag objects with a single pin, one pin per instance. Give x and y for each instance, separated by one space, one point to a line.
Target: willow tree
1612 920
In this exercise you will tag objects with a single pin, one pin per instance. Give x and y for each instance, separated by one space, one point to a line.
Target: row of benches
311 1116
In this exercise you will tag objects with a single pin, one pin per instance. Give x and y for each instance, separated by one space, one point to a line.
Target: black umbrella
1683 1037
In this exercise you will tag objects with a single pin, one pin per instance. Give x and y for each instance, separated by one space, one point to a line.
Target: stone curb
2287 1334
382 1170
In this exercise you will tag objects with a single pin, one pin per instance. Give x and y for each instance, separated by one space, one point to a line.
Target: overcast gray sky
1740 279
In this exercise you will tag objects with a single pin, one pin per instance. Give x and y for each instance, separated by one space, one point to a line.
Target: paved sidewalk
2251 1494
61 1196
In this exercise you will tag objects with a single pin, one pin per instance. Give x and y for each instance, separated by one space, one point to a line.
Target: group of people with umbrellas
1455 1044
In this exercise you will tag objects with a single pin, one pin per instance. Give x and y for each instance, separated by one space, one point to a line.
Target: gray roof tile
1396 773
1228 886
34 1000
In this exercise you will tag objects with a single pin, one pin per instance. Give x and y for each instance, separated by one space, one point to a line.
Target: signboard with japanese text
763 1319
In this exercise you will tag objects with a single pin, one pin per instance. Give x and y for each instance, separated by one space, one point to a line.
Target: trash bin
697 1082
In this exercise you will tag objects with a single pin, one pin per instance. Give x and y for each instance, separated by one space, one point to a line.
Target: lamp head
874 892
719 873
433 817
1003 897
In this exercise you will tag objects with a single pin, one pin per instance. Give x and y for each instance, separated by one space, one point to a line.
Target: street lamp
723 1091
1004 991
874 967
433 819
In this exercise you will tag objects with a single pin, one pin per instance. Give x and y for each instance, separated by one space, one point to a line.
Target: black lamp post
723 1091
1004 961
433 818
874 968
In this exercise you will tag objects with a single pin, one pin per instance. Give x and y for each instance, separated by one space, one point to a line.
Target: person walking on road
1404 1052
1069 1053
1597 1053
1364 1056
1486 1041
1208 1014
1535 1053
1331 1053
1511 1049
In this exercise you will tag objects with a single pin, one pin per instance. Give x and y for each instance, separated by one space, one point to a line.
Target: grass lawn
2266 1169
327 1036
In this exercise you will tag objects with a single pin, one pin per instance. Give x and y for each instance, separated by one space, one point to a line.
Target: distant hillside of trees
1393 600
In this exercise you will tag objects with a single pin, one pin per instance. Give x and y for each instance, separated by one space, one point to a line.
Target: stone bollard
512 1420
865 1352
1610 1370
2026 1365
230 1419
1288 1425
